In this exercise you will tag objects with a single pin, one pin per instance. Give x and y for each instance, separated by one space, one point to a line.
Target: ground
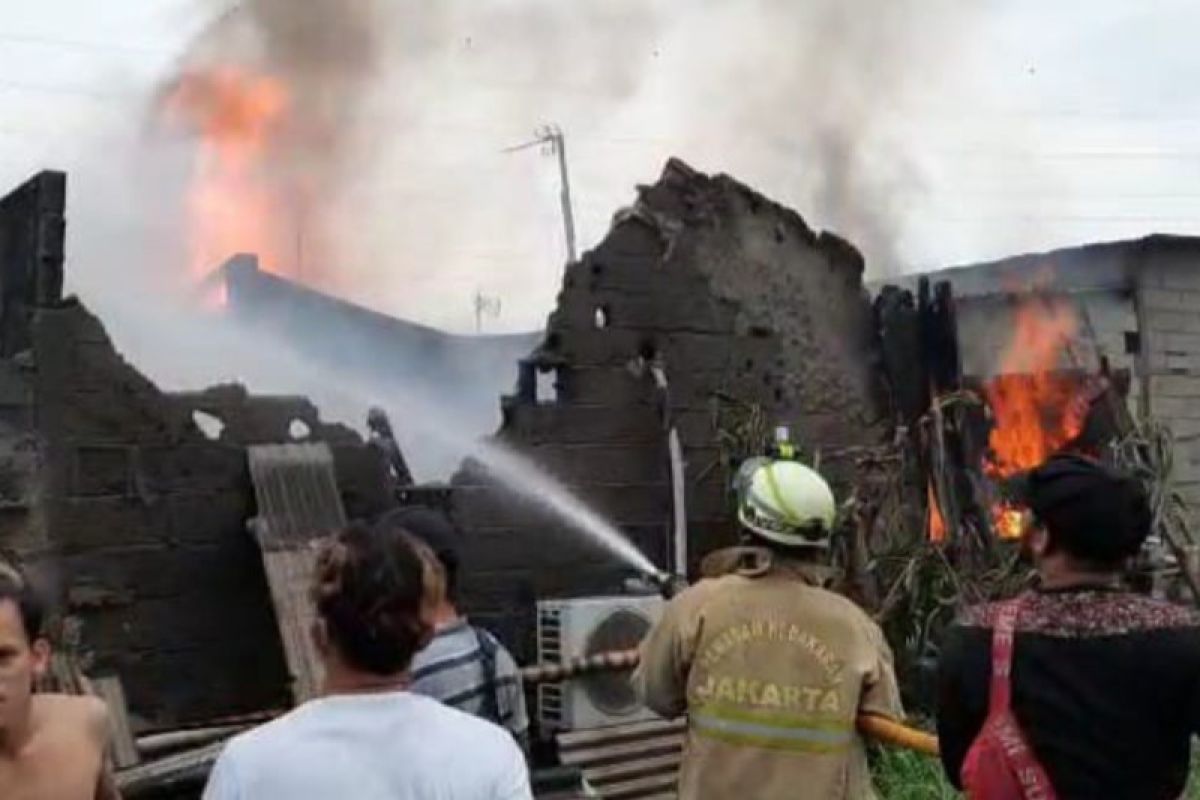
903 775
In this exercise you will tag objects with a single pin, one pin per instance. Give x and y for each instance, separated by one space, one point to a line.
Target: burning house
707 316
1033 328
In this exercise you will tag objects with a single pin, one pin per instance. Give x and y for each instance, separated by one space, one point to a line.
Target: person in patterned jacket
1105 683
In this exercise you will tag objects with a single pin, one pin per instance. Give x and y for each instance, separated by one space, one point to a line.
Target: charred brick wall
735 296
138 519
148 518
32 227
146 515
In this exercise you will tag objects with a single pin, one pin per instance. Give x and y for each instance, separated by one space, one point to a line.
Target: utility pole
550 138
485 305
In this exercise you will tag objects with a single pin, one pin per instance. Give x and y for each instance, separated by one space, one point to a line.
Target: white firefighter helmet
786 502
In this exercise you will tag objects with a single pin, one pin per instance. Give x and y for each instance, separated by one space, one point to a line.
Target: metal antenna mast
550 138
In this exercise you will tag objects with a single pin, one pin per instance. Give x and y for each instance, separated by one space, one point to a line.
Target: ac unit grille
550 636
571 629
612 692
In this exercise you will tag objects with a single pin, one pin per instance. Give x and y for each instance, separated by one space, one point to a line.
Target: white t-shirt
384 746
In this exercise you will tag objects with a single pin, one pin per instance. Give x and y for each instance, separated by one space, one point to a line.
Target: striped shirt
453 669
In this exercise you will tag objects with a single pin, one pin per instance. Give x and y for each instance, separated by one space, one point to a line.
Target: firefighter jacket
772 671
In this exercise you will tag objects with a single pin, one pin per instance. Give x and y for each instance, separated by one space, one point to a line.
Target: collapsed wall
756 319
138 517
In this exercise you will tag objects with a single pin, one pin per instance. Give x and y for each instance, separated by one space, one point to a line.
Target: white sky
1057 123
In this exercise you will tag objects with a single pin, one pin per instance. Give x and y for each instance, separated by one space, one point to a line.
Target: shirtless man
52 747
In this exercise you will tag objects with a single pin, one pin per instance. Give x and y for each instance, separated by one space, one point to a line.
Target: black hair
367 588
1094 513
435 529
16 589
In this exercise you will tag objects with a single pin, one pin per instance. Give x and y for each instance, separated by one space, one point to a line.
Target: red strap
1035 783
1003 632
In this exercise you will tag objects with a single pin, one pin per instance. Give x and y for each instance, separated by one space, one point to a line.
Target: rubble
136 517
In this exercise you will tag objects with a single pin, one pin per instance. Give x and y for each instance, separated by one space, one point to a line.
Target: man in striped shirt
463 666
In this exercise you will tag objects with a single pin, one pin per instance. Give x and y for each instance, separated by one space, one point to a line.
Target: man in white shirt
367 737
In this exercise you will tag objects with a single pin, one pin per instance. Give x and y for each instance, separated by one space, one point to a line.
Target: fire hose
881 729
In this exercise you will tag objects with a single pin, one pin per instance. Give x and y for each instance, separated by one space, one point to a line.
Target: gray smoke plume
390 150
806 101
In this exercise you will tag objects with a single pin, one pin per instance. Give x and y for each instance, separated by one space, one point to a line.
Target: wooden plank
124 752
668 764
298 505
171 741
639 787
289 573
624 750
163 772
617 732
623 762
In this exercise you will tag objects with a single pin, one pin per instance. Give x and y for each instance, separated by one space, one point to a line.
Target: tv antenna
550 138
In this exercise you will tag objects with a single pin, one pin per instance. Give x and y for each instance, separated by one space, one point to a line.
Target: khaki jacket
772 672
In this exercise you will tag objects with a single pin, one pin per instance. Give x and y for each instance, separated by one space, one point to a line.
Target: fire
937 525
235 205
1036 410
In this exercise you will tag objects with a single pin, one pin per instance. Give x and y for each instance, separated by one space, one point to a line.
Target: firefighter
771 669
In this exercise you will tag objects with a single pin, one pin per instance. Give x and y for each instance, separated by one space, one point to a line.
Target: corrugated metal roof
298 505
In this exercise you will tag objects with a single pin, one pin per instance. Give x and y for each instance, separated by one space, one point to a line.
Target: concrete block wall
142 517
147 517
1169 299
732 293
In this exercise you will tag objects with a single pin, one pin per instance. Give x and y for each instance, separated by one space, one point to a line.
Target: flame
1008 520
234 204
937 525
1036 410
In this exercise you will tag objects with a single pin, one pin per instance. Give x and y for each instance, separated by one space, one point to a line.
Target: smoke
276 88
807 101
386 163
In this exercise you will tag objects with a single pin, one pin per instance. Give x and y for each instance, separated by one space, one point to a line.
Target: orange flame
1036 410
234 205
937 525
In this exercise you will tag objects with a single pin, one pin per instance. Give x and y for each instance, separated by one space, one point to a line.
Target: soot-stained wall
736 296
138 517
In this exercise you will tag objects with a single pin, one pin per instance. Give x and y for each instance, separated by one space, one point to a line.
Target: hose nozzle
668 584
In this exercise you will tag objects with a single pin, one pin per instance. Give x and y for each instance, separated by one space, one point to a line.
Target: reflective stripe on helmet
789 513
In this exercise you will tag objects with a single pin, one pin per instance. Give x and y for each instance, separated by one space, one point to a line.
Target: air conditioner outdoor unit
569 629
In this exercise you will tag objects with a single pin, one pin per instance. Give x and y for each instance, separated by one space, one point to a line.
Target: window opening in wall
601 317
1133 342
298 429
547 386
209 424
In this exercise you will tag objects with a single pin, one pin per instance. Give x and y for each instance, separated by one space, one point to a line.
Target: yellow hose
886 731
